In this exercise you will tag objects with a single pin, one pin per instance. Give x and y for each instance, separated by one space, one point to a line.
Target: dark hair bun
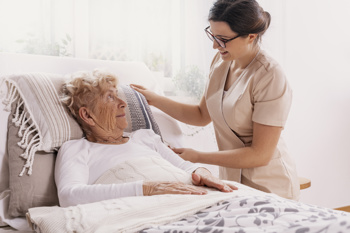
243 16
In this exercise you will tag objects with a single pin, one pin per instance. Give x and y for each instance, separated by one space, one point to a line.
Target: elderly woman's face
110 111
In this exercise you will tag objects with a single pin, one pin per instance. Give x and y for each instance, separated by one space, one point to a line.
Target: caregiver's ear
252 37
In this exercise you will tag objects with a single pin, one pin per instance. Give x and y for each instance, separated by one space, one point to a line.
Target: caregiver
248 100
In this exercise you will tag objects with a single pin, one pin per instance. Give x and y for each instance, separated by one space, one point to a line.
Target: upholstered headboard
126 71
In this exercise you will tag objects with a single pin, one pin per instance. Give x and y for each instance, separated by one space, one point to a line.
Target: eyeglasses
221 42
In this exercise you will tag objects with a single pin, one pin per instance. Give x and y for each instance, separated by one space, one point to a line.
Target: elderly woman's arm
72 174
73 185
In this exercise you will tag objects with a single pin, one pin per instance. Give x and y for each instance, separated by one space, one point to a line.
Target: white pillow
169 128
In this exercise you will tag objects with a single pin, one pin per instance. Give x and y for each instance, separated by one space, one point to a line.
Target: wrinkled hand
149 95
157 188
187 154
203 177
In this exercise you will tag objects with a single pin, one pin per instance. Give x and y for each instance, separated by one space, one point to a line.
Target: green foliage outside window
191 81
34 45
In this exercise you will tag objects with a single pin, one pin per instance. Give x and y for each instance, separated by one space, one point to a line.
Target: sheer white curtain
167 35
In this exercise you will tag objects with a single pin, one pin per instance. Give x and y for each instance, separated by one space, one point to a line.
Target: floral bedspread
268 213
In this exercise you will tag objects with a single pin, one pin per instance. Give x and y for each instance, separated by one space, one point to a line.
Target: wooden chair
304 183
344 208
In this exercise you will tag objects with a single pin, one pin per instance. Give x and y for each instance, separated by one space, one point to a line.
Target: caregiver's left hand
203 177
187 154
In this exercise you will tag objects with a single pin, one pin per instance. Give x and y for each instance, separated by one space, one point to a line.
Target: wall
310 39
317 64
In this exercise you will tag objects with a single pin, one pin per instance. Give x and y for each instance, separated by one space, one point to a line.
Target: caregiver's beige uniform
262 95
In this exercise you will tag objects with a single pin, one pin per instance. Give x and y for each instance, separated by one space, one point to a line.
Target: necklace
111 142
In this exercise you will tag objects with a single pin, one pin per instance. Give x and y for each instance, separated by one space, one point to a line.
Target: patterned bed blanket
255 213
245 211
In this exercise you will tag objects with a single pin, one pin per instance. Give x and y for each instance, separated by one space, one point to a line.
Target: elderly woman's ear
84 114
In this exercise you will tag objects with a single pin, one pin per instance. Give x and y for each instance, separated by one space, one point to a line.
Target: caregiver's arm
265 139
187 113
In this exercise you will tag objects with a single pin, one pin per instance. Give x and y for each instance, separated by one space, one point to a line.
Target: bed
35 125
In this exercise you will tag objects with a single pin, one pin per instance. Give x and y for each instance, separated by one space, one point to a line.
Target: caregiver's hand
203 177
187 154
156 188
149 95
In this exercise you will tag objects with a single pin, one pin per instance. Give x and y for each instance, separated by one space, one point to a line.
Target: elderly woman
93 100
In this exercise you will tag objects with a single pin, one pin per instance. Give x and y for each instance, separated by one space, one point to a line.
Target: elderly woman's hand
203 177
157 188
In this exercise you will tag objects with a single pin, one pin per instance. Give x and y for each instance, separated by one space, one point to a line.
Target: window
166 34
